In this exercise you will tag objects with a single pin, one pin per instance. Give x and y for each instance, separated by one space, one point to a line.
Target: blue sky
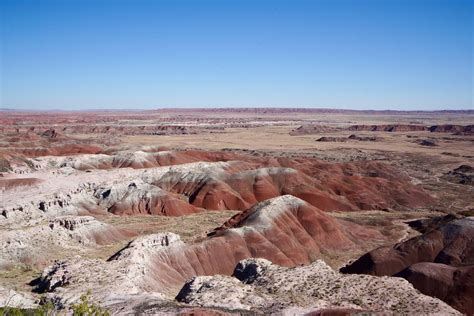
359 54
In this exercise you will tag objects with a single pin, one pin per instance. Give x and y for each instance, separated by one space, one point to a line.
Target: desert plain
238 211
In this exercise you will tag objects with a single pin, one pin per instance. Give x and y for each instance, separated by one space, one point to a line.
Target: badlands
237 211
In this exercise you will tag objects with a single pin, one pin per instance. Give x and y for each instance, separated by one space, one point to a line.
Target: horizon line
229 108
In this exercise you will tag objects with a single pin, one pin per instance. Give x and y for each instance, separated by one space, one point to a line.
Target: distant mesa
446 128
455 129
388 128
350 137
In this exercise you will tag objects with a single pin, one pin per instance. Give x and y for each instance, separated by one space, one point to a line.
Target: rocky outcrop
425 225
332 139
138 198
15 299
345 139
110 129
31 246
445 128
388 128
363 138
427 142
312 129
285 230
430 261
463 174
262 287
50 133
126 275
451 128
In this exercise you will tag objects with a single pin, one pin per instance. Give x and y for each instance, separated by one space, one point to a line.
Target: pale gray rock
265 287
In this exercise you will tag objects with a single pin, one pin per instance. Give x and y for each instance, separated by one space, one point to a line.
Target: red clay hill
227 181
439 263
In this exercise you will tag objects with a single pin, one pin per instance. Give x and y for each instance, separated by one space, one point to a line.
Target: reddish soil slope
245 180
440 262
150 200
454 285
284 230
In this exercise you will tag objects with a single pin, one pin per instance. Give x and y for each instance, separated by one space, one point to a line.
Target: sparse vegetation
29 163
46 309
5 165
83 308
87 308
467 213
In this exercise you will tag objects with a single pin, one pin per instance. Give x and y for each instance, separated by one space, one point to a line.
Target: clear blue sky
379 54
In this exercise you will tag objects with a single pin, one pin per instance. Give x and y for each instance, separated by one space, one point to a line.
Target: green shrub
83 308
42 310
86 308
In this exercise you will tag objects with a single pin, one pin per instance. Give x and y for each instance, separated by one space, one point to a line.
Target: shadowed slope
438 263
